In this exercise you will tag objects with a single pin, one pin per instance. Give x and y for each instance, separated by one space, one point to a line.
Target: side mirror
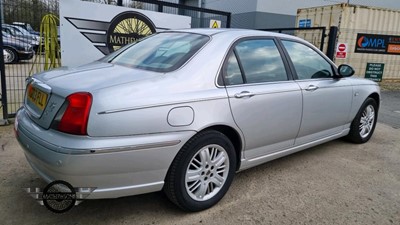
346 70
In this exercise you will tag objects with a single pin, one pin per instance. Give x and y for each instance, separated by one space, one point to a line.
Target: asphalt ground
334 183
390 108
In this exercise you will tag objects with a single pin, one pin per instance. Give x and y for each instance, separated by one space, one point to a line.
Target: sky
392 4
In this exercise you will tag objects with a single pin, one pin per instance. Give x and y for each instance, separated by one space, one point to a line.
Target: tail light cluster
75 117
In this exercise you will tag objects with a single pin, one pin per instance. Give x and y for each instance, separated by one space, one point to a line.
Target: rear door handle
311 88
244 94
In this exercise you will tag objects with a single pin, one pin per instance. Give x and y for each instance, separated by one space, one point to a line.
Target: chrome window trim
243 38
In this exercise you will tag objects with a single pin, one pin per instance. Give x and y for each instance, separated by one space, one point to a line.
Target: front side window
259 60
307 62
163 52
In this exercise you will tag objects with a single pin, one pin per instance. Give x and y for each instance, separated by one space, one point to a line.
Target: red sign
341 55
341 51
342 47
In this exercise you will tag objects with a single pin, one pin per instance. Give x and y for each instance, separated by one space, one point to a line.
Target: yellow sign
215 24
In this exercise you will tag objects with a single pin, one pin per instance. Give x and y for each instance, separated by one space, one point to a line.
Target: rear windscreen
163 52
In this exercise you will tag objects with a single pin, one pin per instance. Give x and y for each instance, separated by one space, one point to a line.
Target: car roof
9 25
234 32
13 26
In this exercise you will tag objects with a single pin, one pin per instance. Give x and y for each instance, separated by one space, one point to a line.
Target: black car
23 35
16 49
27 27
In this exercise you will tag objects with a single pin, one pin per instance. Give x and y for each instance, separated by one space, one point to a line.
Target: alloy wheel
367 121
207 172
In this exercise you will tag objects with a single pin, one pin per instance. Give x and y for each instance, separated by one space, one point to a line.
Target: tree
28 11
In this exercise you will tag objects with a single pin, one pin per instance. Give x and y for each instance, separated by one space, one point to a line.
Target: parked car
16 50
182 111
27 27
22 35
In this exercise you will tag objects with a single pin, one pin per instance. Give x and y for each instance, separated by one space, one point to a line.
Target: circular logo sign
362 42
59 196
126 28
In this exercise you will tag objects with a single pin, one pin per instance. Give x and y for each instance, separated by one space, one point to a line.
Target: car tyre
201 172
363 125
12 56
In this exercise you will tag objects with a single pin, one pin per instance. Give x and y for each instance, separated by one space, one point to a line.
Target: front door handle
244 94
311 88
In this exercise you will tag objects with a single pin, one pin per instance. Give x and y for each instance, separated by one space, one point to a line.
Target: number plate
37 97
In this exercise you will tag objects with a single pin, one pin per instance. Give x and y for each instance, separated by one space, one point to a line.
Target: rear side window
162 52
307 62
233 75
254 61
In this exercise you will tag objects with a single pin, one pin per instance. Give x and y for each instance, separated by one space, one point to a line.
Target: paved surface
390 109
335 183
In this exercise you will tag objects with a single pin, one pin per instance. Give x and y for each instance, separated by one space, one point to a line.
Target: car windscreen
22 30
14 31
163 52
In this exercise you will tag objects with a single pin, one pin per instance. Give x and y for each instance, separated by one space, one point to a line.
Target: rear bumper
137 168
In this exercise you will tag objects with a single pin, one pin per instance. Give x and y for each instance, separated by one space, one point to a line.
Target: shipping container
368 37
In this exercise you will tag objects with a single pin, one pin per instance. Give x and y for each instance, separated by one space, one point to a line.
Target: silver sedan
182 111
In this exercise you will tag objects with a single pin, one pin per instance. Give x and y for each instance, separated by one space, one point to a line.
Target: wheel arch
10 47
174 182
358 102
354 134
234 136
376 97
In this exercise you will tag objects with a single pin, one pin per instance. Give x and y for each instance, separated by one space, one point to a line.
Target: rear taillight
76 115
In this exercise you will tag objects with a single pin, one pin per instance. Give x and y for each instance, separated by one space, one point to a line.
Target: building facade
265 14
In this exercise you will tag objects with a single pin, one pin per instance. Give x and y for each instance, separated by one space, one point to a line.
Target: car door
265 103
326 99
